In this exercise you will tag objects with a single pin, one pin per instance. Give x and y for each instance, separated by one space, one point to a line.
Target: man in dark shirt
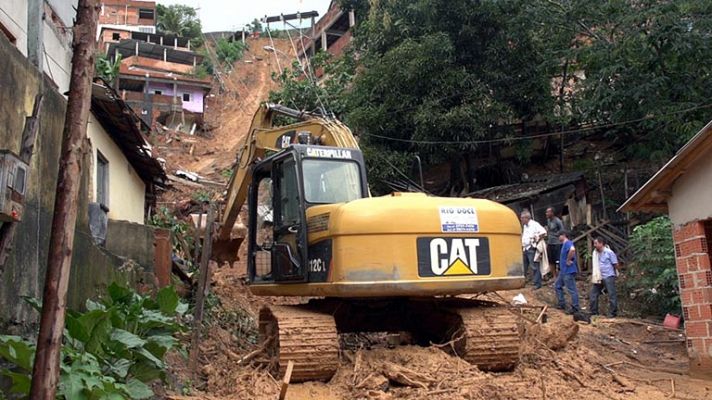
567 275
554 226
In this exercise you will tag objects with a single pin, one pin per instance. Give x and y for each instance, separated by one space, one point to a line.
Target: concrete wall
692 194
125 12
131 240
127 192
56 39
92 267
13 16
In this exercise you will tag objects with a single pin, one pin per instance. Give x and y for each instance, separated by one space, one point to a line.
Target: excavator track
306 337
489 338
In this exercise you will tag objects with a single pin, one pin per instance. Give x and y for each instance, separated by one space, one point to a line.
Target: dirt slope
229 109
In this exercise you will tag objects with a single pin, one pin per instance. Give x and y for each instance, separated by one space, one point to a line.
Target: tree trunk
45 373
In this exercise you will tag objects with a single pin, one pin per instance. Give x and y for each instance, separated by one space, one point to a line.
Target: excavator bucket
226 251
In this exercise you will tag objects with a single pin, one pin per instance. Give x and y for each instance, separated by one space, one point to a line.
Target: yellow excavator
369 264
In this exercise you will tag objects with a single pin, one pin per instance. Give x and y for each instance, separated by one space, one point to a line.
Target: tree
256 25
179 20
641 61
437 72
105 69
228 52
435 77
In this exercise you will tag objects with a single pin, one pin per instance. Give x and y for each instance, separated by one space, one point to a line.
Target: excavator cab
283 187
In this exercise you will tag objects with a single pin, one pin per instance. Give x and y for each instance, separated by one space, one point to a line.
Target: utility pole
45 373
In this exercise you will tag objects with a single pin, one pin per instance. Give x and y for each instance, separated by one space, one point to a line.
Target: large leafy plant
652 277
114 350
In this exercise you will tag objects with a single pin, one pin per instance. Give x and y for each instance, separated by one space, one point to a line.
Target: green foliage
180 20
180 231
105 69
300 90
641 59
201 196
255 26
441 71
227 173
229 51
652 277
111 351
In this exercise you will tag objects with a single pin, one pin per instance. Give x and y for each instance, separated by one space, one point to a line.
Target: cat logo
451 256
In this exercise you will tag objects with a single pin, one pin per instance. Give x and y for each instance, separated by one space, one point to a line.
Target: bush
229 51
111 351
651 279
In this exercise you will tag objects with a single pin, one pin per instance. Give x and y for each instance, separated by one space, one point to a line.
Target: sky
231 15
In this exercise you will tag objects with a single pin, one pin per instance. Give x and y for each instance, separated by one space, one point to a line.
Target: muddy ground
560 359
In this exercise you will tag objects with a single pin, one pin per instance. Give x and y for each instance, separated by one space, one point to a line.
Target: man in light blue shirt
608 262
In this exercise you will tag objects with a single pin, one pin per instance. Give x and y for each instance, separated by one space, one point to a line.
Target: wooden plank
202 291
285 381
591 230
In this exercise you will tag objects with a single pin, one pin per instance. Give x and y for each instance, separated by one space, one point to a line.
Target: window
186 96
265 233
288 195
158 92
102 179
329 181
145 13
115 36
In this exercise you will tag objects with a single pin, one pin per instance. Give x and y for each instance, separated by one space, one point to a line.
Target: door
289 250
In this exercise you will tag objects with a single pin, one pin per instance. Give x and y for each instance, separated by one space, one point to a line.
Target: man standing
608 266
532 232
554 226
567 274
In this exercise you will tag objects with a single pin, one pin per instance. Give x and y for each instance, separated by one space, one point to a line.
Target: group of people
551 249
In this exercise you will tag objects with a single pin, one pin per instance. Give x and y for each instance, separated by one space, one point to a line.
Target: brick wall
693 261
126 12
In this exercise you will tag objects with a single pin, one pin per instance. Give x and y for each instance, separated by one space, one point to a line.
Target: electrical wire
529 137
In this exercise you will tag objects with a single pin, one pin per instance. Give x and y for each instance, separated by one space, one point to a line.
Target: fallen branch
541 314
249 356
650 368
405 376
620 378
664 341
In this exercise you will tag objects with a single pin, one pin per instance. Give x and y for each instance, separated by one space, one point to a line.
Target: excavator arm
261 138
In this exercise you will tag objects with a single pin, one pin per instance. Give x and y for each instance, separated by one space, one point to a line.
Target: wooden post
29 134
202 289
286 380
603 197
45 373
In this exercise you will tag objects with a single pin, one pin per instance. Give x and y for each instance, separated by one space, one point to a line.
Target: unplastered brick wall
692 257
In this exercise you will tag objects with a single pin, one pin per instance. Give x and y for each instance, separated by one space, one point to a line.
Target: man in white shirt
532 232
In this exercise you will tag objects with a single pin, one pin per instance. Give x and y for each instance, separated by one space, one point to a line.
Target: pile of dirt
612 359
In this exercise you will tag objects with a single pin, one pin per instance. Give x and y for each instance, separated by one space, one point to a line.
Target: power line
528 137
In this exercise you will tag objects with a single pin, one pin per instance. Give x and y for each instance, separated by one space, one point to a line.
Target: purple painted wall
196 95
